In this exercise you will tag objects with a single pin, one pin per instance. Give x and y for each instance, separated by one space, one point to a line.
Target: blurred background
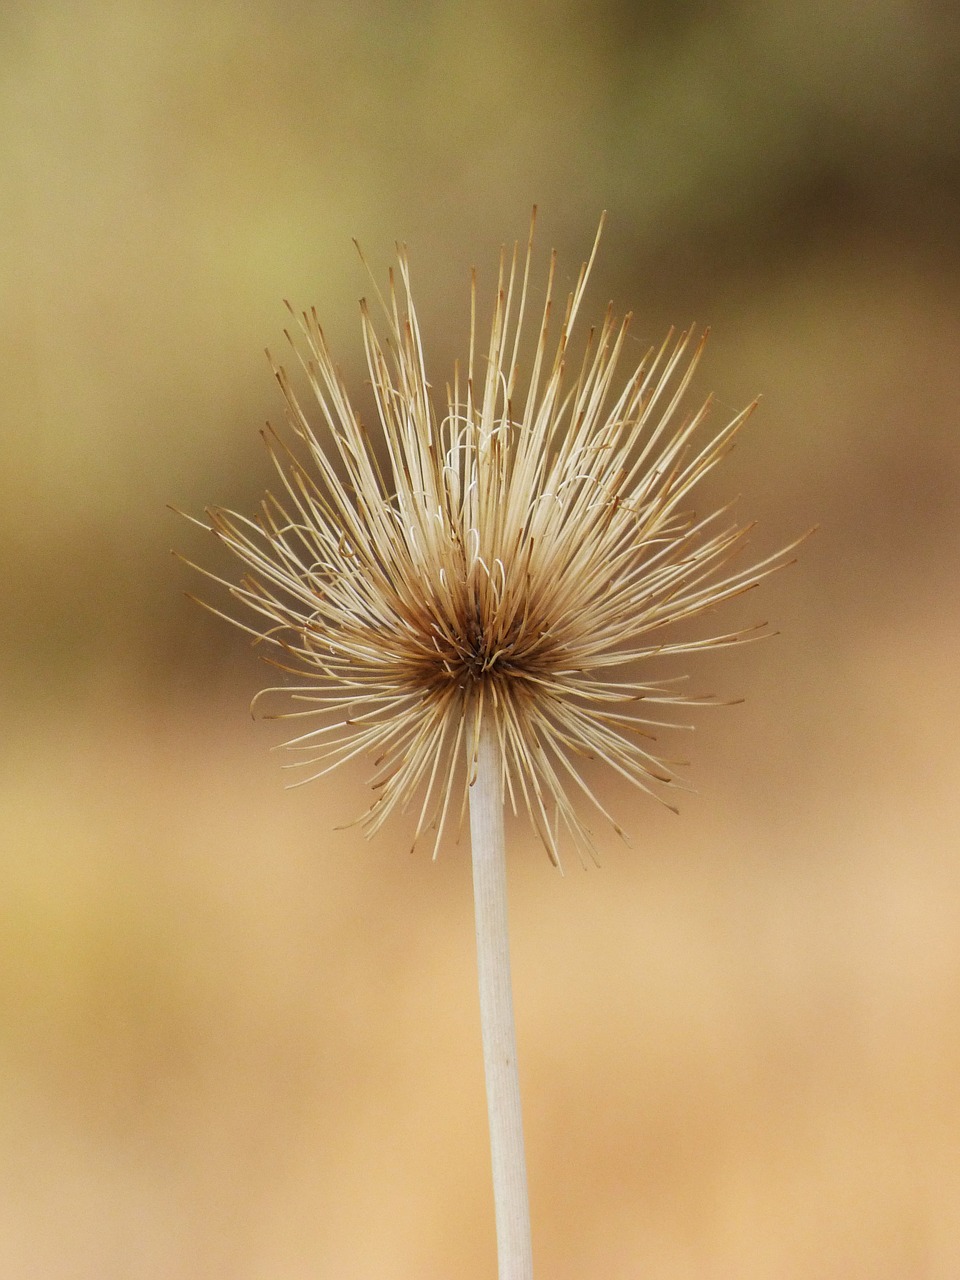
236 1043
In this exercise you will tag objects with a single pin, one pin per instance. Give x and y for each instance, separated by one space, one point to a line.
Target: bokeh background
236 1044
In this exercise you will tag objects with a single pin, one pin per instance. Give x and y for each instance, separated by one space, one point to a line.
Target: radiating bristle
524 550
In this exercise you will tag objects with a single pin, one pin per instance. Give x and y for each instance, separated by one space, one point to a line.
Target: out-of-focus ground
236 1044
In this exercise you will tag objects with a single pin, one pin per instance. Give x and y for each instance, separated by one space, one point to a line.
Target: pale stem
511 1203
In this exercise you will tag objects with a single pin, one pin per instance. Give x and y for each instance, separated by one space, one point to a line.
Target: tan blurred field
238 1044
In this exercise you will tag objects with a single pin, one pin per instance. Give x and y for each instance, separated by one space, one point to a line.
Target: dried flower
521 554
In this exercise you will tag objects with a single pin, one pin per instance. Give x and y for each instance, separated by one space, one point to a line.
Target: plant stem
511 1203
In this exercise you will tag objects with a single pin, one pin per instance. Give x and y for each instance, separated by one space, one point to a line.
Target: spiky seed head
522 553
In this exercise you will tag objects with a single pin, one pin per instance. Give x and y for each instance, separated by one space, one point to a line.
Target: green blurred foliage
172 172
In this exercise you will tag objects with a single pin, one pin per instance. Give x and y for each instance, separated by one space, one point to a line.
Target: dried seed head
522 556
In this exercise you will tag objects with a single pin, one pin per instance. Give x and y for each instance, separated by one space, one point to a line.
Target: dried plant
473 595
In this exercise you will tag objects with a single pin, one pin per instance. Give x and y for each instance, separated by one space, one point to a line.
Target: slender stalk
511 1203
